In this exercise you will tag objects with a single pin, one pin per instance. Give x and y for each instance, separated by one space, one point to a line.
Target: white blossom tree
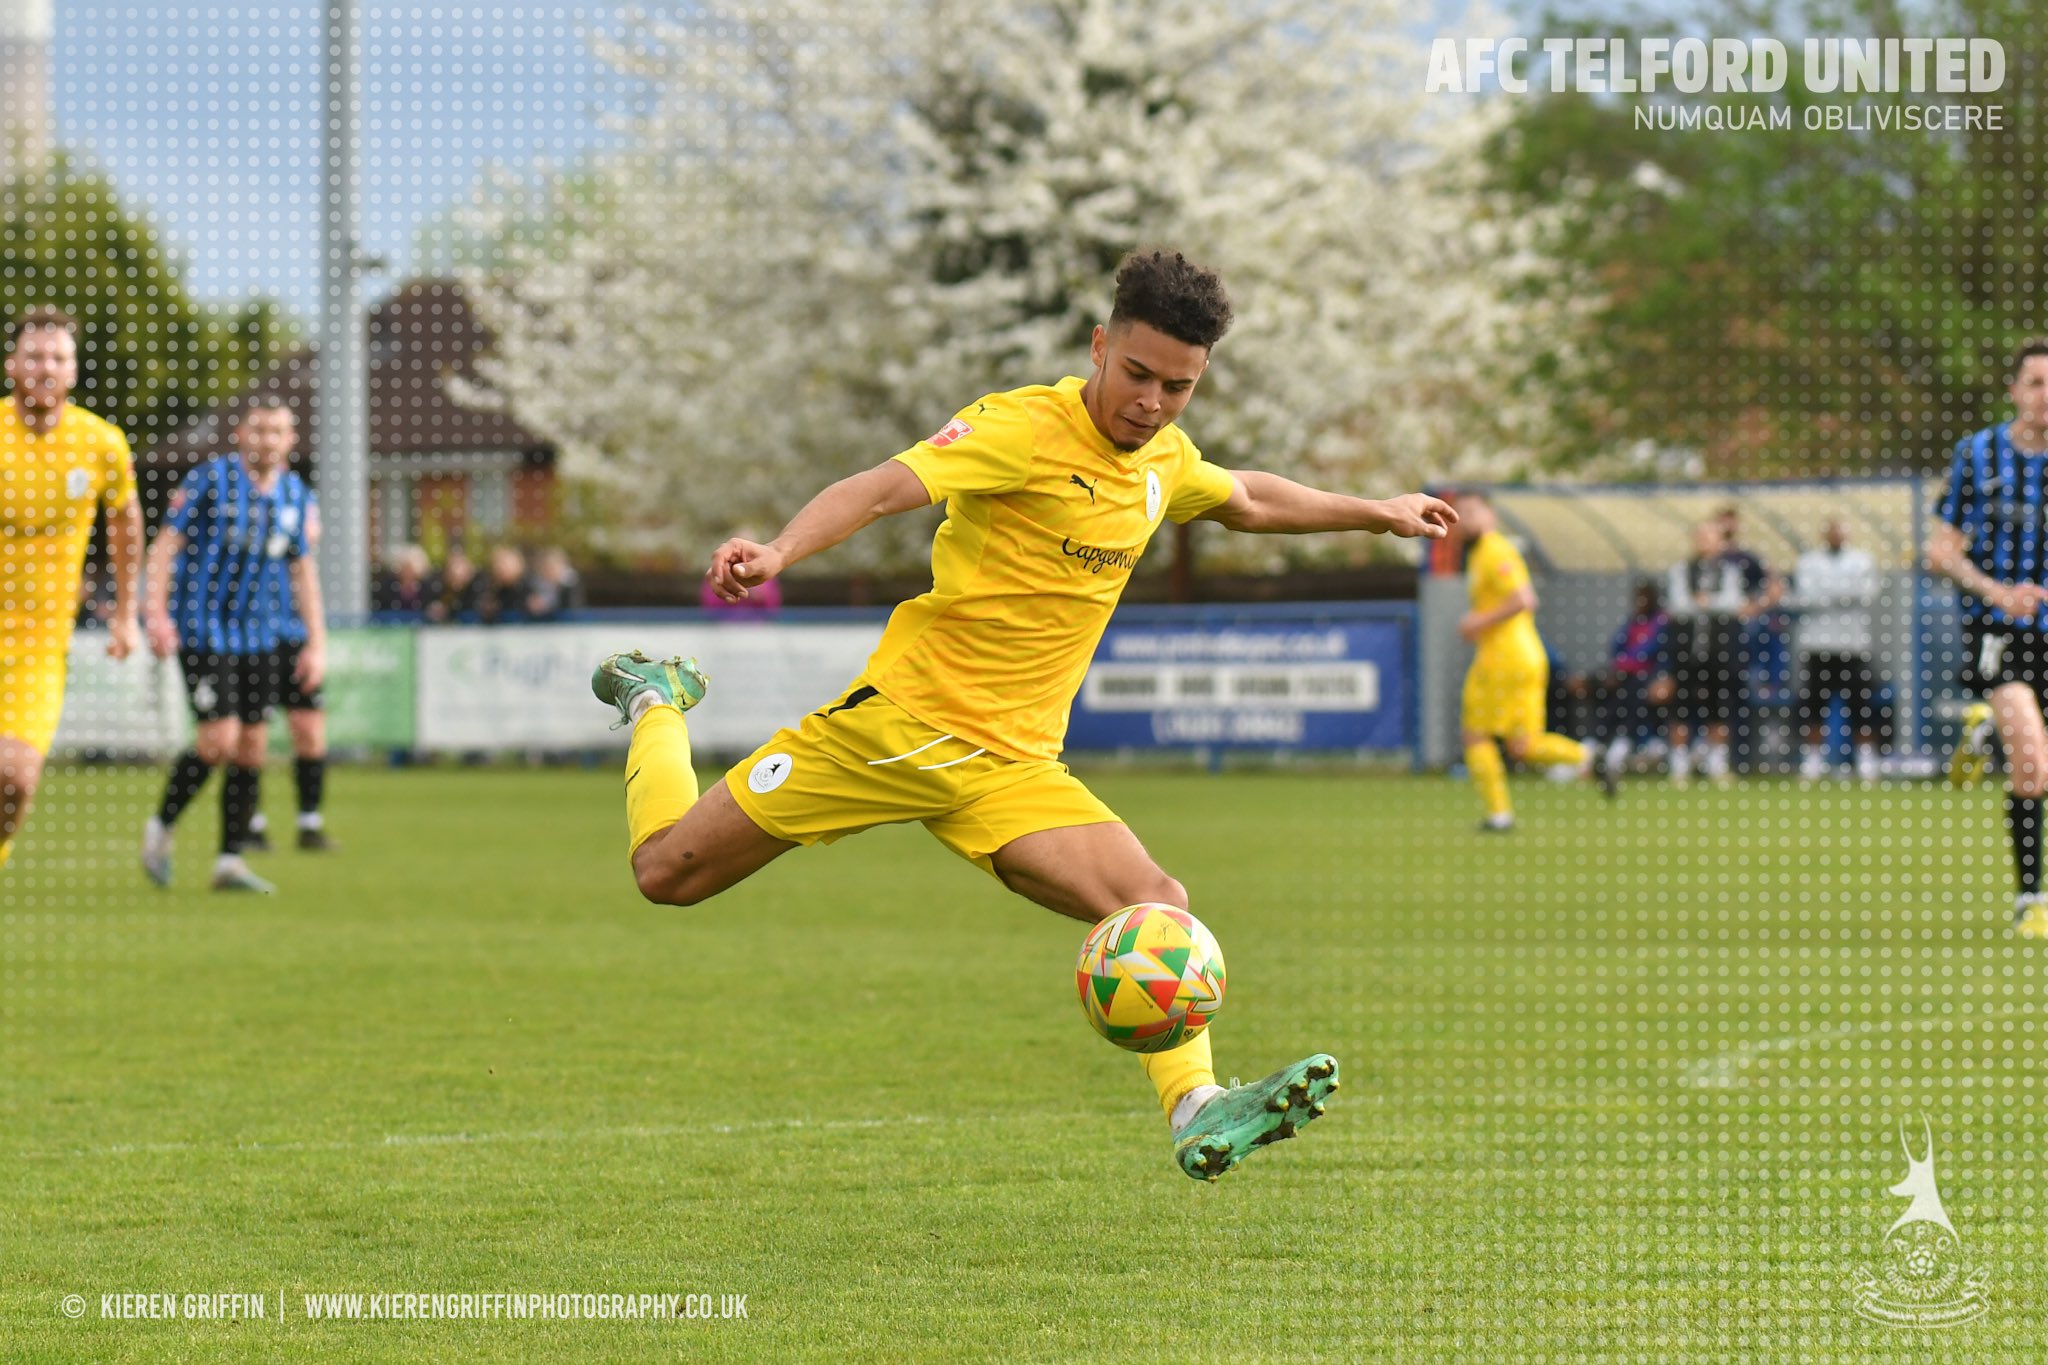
840 222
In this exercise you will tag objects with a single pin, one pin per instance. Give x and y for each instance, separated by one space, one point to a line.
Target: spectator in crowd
507 588
407 585
1835 586
1635 656
557 587
460 589
1711 599
1766 663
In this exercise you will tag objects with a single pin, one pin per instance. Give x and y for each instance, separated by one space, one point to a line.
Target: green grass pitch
1624 1086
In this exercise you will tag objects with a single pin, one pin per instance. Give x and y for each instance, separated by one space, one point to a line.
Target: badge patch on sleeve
950 433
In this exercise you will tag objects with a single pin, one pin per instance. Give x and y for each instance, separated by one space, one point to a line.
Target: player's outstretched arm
1948 554
827 519
1271 505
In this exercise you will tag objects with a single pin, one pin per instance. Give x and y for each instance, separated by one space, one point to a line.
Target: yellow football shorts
32 698
863 761
1505 700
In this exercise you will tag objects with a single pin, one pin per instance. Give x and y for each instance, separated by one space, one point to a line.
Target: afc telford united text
1619 66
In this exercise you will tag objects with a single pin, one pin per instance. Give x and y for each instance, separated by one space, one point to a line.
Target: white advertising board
529 686
135 706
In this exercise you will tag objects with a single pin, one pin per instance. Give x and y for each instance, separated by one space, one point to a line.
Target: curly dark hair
1167 291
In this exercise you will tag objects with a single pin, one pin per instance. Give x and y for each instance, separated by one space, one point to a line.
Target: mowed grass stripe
462 1055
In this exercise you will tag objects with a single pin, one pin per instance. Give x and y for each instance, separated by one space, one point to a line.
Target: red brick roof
417 339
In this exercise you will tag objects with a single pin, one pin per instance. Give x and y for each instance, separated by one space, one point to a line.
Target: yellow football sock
1554 751
1179 1070
1489 776
6 850
660 783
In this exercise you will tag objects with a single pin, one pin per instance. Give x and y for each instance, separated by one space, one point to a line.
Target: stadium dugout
1588 544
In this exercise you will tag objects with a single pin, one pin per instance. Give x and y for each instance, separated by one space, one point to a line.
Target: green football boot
1231 1125
622 677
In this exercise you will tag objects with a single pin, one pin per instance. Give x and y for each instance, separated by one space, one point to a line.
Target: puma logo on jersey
1077 479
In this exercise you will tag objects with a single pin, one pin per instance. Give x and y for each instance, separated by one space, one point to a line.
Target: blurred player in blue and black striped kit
1990 539
230 559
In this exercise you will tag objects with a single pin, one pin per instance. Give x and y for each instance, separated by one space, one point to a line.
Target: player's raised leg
1092 871
684 850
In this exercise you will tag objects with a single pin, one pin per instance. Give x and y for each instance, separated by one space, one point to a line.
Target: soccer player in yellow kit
59 466
1506 687
958 721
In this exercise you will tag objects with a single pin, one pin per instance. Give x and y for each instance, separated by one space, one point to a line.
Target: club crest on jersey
1152 495
288 519
77 483
950 433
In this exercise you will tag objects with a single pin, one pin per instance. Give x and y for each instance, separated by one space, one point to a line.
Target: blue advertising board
1303 676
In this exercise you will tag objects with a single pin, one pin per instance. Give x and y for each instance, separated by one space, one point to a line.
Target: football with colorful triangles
1151 977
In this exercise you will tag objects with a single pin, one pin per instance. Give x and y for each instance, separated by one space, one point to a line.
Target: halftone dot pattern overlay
1696 1023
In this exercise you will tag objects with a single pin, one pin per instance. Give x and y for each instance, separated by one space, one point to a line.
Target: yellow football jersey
51 486
1045 519
1494 570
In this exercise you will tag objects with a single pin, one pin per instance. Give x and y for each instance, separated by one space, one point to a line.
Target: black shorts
290 695
230 686
1830 675
1995 655
1706 691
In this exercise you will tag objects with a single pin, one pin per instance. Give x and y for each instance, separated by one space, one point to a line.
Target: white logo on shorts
770 773
1151 495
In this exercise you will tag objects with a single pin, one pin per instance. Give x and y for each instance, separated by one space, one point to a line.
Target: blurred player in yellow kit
59 467
1052 493
1505 688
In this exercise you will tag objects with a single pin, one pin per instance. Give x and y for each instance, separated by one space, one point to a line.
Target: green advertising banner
369 688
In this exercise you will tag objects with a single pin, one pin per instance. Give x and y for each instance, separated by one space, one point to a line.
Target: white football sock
1185 1107
643 699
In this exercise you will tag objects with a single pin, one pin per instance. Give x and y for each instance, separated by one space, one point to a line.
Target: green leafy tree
1798 301
150 356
